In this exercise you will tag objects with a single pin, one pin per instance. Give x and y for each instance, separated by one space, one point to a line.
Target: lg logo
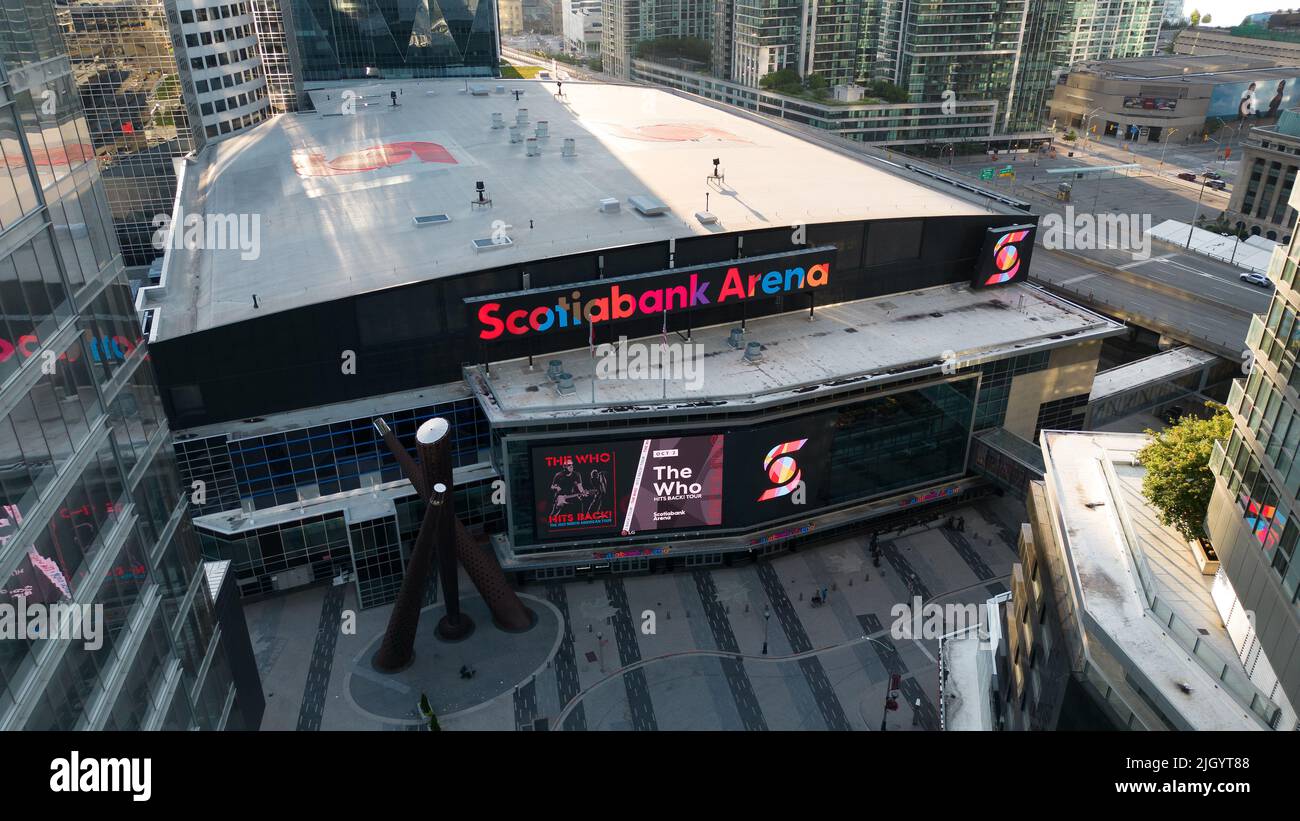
782 469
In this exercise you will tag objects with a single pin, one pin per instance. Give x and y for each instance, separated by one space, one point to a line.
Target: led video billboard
626 487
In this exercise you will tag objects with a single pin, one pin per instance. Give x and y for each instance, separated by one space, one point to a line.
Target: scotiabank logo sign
1005 257
782 469
511 316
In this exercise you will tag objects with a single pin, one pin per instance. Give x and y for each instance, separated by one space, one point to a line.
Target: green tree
1178 481
889 92
1205 21
1196 17
786 80
426 710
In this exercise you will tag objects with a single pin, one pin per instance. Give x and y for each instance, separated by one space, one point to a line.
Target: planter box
1206 558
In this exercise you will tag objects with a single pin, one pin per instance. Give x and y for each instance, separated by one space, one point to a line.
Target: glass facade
431 38
319 547
321 460
91 508
132 94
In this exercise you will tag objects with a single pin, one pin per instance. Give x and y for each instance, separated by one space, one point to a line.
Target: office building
445 38
94 513
217 45
934 50
628 23
869 120
582 23
1251 520
1149 99
133 95
1270 158
1113 620
275 49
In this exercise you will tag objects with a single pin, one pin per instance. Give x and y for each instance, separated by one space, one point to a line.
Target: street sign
1007 171
986 173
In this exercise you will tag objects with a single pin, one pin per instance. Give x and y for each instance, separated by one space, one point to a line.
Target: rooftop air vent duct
647 204
498 121
734 339
564 384
554 368
754 352
570 148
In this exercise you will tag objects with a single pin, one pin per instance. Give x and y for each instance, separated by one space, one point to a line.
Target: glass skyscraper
132 96
355 39
1254 512
91 507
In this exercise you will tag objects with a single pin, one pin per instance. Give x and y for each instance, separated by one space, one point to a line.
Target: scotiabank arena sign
529 313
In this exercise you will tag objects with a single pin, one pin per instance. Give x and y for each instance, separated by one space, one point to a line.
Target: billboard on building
785 469
660 483
1005 256
1151 103
1260 99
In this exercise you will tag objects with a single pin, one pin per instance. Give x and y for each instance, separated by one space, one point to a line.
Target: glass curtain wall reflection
349 39
91 507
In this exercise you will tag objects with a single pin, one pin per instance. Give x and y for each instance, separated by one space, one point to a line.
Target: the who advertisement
663 483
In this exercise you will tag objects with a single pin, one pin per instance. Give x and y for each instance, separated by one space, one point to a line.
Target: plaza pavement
702 667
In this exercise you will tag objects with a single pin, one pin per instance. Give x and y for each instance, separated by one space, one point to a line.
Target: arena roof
334 195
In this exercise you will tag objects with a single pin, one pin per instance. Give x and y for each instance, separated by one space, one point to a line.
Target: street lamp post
1087 132
1168 134
600 649
1195 214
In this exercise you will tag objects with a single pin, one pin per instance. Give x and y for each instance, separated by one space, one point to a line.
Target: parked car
1187 175
1217 185
1255 279
1211 175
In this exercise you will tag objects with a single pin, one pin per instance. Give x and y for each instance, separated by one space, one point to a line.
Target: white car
1255 279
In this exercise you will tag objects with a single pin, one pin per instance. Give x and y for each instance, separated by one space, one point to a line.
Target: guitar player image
567 490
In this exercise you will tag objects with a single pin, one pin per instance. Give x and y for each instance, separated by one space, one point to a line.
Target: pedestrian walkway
722 648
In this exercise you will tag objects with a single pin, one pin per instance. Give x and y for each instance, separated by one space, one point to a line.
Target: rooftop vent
647 204
564 384
430 219
492 243
478 91
754 352
498 120
521 117
735 339
609 205
534 148
543 128
501 89
570 148
516 136
706 218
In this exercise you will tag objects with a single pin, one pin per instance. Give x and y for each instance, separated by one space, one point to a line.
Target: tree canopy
1178 481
